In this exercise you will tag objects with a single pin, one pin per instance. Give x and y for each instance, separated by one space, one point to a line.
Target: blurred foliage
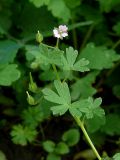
93 44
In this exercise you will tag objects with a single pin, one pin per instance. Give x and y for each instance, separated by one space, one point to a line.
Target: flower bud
39 37
30 99
34 65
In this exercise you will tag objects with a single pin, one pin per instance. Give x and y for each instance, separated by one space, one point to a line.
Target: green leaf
32 116
71 137
49 146
62 97
108 5
95 123
45 56
112 120
53 156
116 156
69 61
39 3
2 156
29 28
116 90
61 148
72 4
116 28
99 57
83 87
21 135
8 74
58 8
8 51
88 107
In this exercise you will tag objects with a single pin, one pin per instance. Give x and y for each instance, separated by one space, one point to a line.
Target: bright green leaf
62 97
71 137
70 63
87 107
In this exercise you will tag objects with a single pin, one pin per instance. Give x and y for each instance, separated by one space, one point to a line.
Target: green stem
57 43
48 46
74 35
80 124
87 36
56 72
116 44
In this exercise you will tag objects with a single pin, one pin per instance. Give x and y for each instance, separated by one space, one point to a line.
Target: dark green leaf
8 74
99 57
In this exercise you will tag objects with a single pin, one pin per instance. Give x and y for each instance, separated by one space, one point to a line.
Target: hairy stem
80 124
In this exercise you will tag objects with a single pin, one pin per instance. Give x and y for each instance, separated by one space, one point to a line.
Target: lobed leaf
70 63
99 57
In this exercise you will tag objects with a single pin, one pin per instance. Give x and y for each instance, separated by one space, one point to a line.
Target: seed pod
39 37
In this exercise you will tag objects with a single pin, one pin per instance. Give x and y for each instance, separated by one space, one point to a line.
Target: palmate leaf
62 97
32 116
70 63
21 135
99 57
87 107
45 56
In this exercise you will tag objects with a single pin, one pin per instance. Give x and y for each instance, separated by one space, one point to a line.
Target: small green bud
39 37
30 99
32 85
34 65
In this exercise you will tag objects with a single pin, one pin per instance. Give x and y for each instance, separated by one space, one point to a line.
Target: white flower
60 32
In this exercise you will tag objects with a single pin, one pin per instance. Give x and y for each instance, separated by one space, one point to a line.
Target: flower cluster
60 32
